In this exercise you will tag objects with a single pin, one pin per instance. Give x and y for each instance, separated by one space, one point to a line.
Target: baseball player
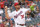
18 15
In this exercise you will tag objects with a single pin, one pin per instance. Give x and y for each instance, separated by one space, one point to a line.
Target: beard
18 8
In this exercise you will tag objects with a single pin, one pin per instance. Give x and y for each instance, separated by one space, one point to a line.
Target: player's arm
6 13
27 10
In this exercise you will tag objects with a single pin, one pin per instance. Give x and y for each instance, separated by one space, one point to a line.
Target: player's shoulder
22 8
13 12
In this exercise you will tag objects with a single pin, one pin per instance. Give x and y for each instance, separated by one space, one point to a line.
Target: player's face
17 6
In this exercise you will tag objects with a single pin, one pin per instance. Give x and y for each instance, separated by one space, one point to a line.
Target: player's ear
15 6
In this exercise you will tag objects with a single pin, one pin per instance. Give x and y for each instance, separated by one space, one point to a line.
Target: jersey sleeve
25 10
9 11
11 15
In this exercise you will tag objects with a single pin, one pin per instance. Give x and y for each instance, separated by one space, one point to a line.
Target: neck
17 9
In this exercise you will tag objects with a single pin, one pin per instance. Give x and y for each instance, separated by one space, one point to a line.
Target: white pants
19 25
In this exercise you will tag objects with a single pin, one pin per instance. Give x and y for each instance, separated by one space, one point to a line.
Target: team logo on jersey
18 14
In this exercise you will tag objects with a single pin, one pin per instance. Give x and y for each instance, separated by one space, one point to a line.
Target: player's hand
5 7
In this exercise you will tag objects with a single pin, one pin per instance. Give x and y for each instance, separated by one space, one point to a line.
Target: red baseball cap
16 3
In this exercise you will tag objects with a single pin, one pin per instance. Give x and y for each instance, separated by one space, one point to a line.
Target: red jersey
2 4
